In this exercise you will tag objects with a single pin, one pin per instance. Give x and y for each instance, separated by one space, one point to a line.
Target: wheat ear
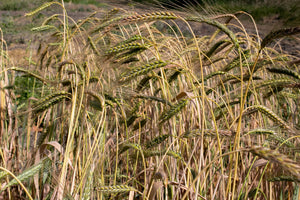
276 157
49 100
26 174
42 79
149 17
217 24
172 111
156 141
125 47
284 71
279 34
44 6
144 69
115 188
269 113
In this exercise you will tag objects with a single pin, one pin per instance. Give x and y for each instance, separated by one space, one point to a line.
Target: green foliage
13 5
26 87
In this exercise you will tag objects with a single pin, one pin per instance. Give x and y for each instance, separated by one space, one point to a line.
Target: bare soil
19 36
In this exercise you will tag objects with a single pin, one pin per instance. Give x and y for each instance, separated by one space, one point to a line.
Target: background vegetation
121 105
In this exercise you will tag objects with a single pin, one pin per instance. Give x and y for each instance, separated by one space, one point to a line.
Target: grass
110 107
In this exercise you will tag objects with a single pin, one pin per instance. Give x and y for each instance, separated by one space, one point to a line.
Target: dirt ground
18 35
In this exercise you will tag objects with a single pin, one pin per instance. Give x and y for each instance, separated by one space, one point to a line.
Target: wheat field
131 106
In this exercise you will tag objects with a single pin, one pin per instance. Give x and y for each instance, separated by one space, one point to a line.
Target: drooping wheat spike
144 69
131 39
167 114
49 19
156 141
273 91
93 45
174 76
125 47
63 63
139 124
263 62
115 188
284 178
43 136
109 100
143 83
217 24
88 187
129 56
276 157
293 85
94 79
284 71
128 59
236 61
97 104
211 75
269 113
151 153
66 82
289 95
261 131
149 17
279 34
281 140
26 174
49 100
42 7
275 83
126 146
211 51
3 174
43 28
131 119
42 79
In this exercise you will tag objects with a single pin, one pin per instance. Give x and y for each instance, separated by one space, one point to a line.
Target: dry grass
117 107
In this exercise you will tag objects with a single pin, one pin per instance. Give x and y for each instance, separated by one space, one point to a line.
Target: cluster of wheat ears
125 110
